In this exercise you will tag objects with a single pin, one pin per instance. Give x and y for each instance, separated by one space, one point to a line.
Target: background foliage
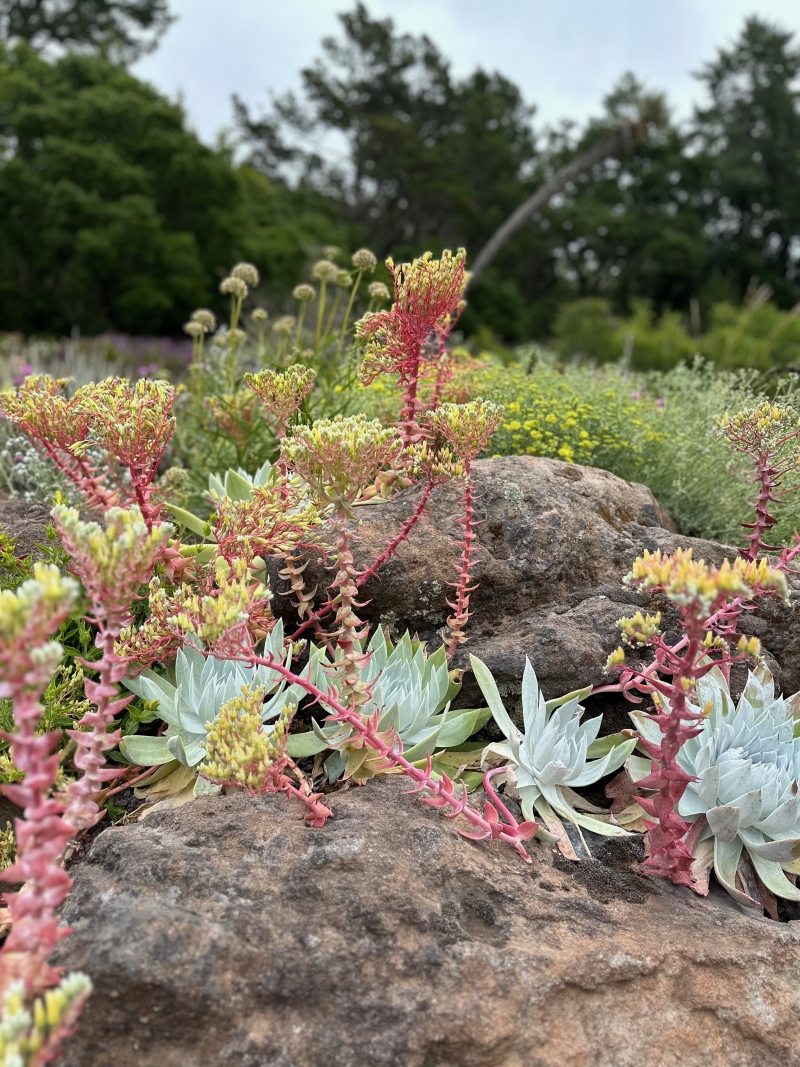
118 217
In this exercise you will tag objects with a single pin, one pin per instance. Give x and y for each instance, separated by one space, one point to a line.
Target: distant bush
757 335
659 428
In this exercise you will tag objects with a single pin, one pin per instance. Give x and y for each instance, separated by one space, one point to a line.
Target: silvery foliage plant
553 755
745 802
202 685
411 694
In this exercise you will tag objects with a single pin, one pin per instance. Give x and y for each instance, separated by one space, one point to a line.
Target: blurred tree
429 158
749 137
122 29
115 216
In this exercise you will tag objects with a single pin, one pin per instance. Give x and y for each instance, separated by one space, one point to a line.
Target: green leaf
146 751
191 522
580 694
492 696
237 487
461 725
304 744
603 745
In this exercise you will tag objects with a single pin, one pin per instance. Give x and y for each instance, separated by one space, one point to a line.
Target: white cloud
564 55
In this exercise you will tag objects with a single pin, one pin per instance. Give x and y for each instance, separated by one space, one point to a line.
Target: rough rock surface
26 522
556 540
227 932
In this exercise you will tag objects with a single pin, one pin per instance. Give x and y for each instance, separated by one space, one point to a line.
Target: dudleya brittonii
552 757
410 692
745 802
202 685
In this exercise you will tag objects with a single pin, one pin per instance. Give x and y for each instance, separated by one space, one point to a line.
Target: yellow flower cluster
131 421
638 628
422 283
26 1036
762 418
466 427
211 617
239 751
339 457
282 391
116 559
694 583
36 608
545 416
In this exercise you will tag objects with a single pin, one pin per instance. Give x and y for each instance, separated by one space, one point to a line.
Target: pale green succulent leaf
773 877
724 822
305 744
145 751
576 694
190 521
491 694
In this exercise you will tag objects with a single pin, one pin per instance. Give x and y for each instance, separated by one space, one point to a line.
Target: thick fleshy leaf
598 769
749 807
492 697
576 694
773 877
304 744
707 786
787 850
726 862
724 822
191 522
646 727
146 751
603 745
462 725
783 819
533 715
638 767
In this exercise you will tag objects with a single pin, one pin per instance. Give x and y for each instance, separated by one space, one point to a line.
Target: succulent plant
202 685
411 694
745 801
233 484
553 756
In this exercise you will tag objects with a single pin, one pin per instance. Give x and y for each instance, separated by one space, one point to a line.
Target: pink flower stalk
113 563
28 618
467 428
768 435
427 301
708 600
130 424
443 790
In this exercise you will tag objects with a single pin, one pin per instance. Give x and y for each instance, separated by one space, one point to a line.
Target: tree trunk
618 142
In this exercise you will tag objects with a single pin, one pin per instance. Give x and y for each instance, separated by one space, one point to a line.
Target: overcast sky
564 54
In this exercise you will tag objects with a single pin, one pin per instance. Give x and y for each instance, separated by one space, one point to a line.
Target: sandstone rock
227 932
556 540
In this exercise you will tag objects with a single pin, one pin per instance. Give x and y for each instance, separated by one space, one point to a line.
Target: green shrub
757 335
659 429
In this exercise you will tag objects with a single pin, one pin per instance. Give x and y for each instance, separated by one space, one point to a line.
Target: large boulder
555 541
228 932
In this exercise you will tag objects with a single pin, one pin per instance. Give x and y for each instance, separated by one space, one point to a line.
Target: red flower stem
405 529
443 790
460 606
410 429
93 741
41 835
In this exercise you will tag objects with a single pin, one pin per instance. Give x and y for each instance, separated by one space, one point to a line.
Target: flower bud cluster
285 324
697 586
304 293
113 560
32 1036
466 427
282 391
325 271
338 457
364 260
240 751
28 616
